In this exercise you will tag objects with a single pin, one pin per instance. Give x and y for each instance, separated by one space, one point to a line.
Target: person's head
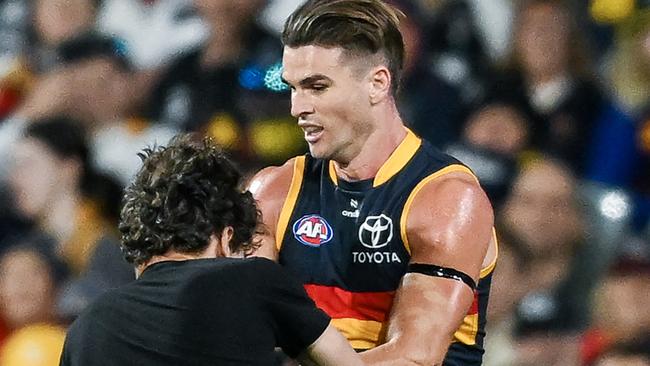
58 20
626 285
29 279
547 39
542 209
98 77
343 60
498 127
186 196
49 160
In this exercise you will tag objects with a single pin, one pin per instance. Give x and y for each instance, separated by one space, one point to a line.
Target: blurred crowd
548 101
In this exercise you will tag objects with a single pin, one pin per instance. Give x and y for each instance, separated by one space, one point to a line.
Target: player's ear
380 82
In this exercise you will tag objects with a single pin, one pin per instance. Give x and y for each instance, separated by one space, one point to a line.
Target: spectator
456 50
492 141
550 79
231 87
53 23
428 104
618 317
30 277
56 189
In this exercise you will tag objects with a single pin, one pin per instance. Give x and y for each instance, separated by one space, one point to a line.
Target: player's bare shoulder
270 187
272 183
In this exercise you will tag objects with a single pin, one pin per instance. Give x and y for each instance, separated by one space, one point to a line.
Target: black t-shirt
197 312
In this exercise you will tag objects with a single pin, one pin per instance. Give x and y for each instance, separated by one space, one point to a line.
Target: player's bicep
450 226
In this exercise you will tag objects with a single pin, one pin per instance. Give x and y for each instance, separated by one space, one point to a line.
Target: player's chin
319 151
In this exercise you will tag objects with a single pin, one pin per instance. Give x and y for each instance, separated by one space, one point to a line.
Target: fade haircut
360 27
183 194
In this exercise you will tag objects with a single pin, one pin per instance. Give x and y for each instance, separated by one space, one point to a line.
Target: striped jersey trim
340 303
395 163
362 334
290 201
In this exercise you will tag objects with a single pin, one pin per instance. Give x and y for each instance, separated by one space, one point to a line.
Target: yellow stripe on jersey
466 334
409 201
290 201
487 270
398 159
395 163
362 334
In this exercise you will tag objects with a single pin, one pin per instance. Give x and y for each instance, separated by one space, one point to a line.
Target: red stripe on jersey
339 303
474 308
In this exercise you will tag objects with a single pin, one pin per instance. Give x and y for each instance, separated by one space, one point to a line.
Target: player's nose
300 105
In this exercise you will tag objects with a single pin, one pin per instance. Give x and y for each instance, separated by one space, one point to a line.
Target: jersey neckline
393 165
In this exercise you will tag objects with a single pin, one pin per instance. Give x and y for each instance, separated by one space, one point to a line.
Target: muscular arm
270 187
449 225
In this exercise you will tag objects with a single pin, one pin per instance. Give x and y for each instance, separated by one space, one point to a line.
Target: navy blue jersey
346 242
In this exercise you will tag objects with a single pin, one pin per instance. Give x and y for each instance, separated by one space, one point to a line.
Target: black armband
444 272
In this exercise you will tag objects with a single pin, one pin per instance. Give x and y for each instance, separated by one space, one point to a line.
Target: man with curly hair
186 226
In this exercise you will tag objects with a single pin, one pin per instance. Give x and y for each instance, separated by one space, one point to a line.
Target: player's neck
374 152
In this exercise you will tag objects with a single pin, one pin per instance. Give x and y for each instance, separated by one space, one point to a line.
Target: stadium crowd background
548 102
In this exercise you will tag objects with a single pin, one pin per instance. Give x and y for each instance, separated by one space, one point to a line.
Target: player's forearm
396 354
331 349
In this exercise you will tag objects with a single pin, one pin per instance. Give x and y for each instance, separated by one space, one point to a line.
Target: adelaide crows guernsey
346 241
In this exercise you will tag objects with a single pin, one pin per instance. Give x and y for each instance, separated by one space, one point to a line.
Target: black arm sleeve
297 321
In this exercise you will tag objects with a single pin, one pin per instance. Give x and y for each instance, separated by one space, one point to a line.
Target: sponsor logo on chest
375 233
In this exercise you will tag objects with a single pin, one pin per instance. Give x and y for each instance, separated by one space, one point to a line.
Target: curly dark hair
183 194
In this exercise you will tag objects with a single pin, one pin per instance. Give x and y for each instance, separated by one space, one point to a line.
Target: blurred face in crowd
330 96
498 128
58 20
37 177
542 41
541 209
618 303
99 90
26 288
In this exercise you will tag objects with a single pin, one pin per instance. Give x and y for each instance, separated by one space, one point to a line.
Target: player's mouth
312 133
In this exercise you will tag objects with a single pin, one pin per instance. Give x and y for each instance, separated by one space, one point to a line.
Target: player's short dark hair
361 27
184 193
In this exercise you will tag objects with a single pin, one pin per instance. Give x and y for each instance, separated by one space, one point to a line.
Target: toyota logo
376 231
